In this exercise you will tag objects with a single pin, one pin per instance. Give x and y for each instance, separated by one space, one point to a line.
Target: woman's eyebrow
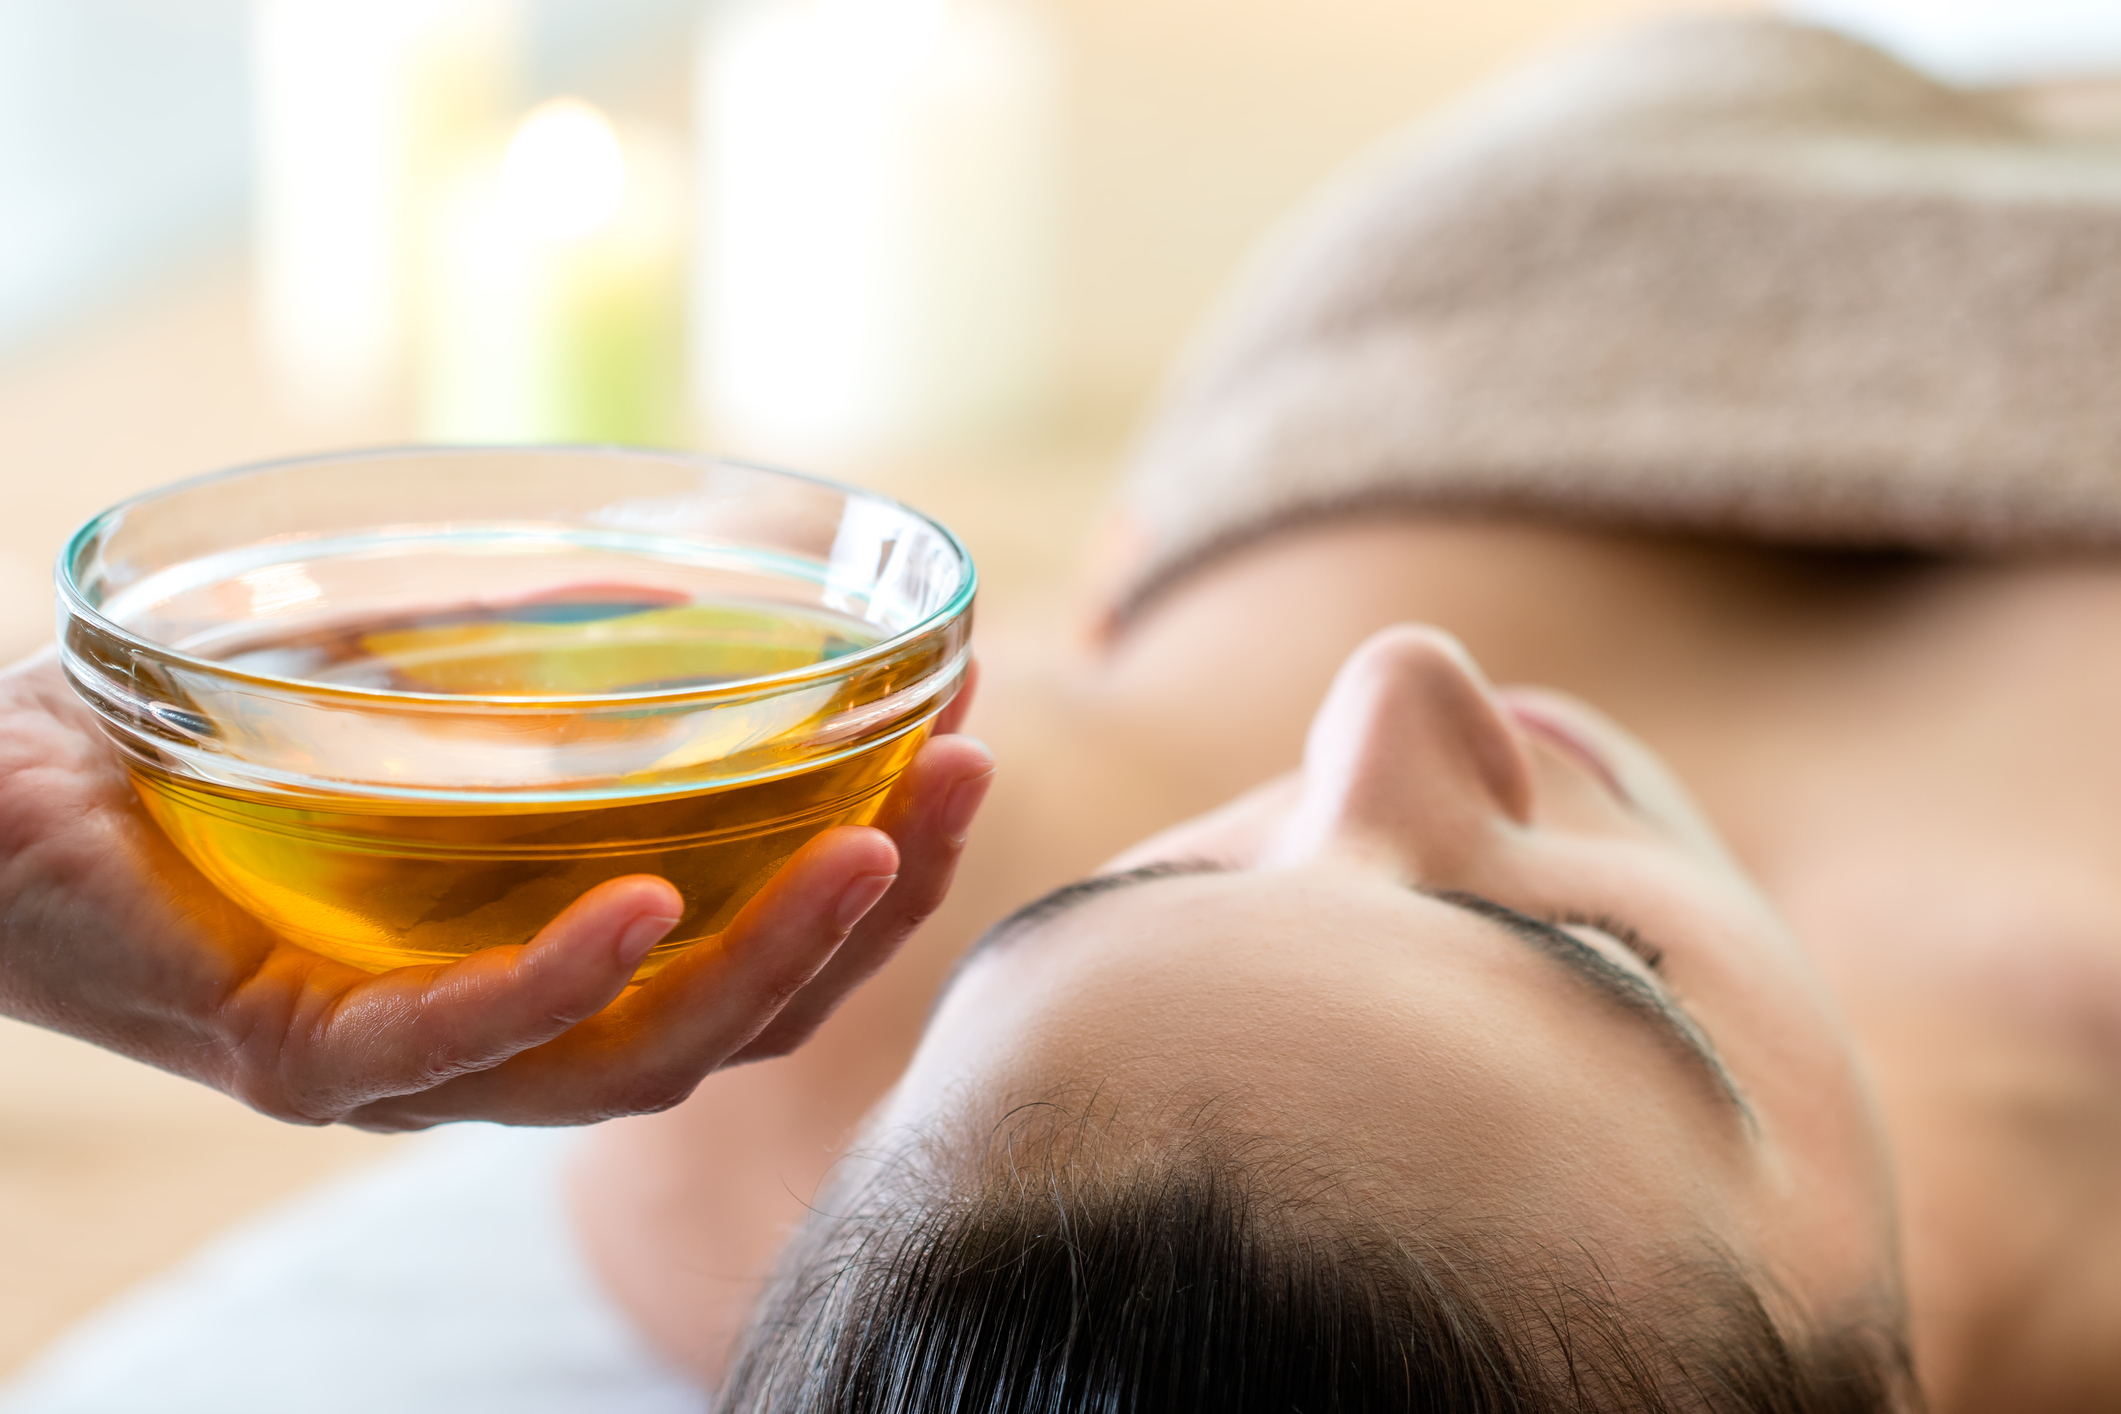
1610 980
1067 897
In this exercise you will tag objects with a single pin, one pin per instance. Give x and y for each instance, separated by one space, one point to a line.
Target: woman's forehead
1384 1026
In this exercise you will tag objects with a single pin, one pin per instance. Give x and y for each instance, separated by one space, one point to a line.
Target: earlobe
1410 742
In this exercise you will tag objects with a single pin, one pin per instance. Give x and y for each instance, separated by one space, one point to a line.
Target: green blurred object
554 307
600 649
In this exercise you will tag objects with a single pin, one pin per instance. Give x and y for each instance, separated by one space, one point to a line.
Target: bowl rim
73 604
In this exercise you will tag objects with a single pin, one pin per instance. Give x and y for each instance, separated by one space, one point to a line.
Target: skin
108 934
1913 760
1323 991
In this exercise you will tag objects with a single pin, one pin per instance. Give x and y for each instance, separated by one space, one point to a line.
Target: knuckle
776 996
271 1097
259 1048
555 1019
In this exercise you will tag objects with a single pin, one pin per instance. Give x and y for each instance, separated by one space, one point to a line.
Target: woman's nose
1409 754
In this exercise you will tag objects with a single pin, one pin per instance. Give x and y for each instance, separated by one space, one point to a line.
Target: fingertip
961 768
643 908
957 771
639 936
861 895
858 849
967 754
960 705
629 915
644 893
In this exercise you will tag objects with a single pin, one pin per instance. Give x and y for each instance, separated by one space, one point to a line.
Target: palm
107 933
110 906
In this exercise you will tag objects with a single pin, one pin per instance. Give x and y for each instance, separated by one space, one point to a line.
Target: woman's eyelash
1652 956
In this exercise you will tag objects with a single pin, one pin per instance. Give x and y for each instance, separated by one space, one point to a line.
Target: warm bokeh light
360 109
880 197
565 172
894 29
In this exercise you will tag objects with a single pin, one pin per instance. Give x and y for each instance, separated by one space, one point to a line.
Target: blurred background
948 247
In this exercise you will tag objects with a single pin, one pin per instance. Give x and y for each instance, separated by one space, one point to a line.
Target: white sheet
445 1281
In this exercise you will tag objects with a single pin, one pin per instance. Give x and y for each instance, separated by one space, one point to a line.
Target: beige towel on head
1728 275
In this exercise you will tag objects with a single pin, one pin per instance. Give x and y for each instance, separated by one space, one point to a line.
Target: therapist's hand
108 934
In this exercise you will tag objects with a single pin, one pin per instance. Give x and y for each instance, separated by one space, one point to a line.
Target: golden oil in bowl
399 741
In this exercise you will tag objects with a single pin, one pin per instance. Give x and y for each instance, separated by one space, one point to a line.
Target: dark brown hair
1065 1274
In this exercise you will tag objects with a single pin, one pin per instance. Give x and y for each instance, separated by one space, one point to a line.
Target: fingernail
963 804
861 896
641 935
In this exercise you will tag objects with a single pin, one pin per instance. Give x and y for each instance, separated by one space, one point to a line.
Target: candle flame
565 172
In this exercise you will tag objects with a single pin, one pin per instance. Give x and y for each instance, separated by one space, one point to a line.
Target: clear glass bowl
406 704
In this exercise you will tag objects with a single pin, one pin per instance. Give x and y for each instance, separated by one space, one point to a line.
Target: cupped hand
107 933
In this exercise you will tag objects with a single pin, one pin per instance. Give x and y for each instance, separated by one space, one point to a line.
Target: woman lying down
1462 1067
1460 1070
1450 1054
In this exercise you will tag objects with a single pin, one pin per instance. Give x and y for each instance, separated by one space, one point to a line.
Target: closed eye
1644 998
1619 931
